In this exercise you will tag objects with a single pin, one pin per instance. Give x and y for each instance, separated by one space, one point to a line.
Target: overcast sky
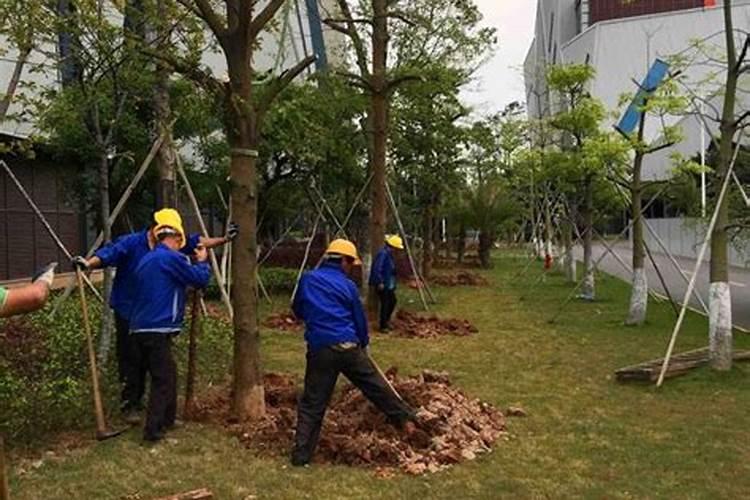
500 81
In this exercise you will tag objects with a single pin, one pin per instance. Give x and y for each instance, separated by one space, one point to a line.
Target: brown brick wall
601 10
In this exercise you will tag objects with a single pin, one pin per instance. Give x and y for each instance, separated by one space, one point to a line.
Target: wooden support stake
200 494
195 329
204 231
419 279
115 213
307 254
697 268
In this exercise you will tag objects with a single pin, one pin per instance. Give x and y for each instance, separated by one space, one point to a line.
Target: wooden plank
679 365
199 494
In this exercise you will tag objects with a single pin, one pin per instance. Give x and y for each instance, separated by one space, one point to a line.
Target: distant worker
383 279
125 253
336 334
27 298
161 279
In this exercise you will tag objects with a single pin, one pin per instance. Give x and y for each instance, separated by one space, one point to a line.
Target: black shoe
298 461
385 329
153 438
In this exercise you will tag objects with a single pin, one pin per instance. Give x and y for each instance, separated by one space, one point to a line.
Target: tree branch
203 9
392 85
259 22
654 149
279 84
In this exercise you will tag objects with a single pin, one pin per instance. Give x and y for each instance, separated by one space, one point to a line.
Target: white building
621 41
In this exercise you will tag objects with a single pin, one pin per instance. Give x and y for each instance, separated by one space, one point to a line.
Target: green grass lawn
585 436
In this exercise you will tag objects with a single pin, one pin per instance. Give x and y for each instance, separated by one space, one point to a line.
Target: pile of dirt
408 324
285 322
451 427
469 262
461 278
22 346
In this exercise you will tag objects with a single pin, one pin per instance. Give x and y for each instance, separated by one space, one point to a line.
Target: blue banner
653 79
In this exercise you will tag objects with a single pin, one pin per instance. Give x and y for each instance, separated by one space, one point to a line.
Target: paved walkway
739 279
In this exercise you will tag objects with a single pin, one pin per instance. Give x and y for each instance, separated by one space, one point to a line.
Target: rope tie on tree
252 153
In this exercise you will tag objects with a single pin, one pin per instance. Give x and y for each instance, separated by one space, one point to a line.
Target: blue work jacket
125 253
161 279
328 302
383 271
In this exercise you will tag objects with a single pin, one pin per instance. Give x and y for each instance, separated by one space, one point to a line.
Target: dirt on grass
460 278
451 427
411 325
285 322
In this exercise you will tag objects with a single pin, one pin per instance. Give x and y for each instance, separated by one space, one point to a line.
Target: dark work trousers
387 300
322 371
155 352
132 373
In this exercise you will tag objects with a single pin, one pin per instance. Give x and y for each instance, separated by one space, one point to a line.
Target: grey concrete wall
683 238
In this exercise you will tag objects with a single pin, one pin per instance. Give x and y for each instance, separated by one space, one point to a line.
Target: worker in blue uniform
161 280
383 278
336 333
125 253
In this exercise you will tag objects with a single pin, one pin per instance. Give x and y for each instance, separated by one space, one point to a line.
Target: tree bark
486 240
588 289
461 244
165 159
720 303
15 78
569 261
428 231
379 113
248 399
106 332
639 291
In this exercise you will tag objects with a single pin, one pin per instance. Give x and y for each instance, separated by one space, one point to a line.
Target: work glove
45 274
80 262
233 229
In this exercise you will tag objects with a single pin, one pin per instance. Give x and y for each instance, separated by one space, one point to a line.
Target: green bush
275 279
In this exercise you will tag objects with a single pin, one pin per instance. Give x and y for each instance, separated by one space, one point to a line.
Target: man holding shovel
161 280
125 254
337 338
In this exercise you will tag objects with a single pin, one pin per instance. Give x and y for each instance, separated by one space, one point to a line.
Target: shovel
102 432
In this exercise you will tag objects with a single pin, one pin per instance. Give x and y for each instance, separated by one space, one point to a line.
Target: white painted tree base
570 266
720 326
638 298
588 292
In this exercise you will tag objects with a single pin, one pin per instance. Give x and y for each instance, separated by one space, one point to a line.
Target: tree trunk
485 247
639 290
569 261
379 113
428 230
248 399
15 78
720 299
166 157
461 244
547 228
588 290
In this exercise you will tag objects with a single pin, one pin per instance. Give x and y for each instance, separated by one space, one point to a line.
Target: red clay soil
285 322
451 427
408 324
460 278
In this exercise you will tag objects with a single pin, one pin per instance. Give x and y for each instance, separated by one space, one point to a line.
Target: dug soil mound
451 427
408 324
461 278
284 322
469 262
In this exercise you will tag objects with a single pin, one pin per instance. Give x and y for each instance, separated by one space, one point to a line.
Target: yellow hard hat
345 248
395 241
169 217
